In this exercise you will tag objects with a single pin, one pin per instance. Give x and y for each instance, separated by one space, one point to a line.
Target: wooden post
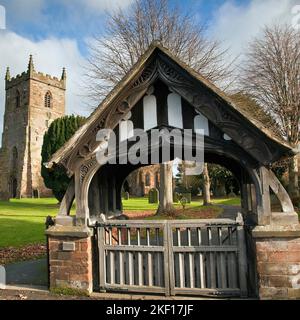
166 262
264 217
171 260
242 257
102 268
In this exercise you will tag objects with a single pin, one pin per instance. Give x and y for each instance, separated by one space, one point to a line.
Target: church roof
63 153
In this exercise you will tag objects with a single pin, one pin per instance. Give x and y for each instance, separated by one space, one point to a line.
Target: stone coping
274 231
69 231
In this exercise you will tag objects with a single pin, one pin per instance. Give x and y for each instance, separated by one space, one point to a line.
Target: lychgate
177 257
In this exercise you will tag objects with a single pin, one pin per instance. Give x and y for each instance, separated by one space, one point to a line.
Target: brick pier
278 262
70 258
277 258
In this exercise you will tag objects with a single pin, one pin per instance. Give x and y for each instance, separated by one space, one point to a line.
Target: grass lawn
142 203
22 222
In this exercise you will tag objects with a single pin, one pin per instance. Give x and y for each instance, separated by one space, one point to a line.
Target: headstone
153 195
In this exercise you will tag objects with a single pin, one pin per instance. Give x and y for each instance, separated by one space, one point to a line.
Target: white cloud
237 24
50 56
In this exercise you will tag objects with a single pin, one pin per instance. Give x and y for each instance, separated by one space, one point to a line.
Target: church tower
33 100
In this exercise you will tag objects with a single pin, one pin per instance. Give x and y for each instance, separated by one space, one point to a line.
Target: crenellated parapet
34 75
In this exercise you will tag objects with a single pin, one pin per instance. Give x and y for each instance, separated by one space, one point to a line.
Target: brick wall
71 269
278 266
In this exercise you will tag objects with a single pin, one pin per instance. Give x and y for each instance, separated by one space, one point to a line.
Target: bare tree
129 34
271 75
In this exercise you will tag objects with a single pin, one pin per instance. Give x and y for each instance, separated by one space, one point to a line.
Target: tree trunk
293 186
166 189
206 186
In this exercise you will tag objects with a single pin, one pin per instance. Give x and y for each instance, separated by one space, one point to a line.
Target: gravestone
153 195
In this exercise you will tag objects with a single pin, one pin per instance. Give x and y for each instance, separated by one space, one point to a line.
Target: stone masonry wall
71 269
24 128
278 266
40 120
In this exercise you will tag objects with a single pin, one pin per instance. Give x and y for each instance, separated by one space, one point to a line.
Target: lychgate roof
158 63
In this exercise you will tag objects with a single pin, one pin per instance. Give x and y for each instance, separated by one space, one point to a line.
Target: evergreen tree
59 132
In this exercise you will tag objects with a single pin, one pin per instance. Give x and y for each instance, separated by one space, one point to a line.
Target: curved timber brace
63 217
288 216
78 190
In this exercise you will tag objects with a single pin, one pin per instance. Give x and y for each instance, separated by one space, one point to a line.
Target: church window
147 180
48 100
14 158
157 180
18 99
175 111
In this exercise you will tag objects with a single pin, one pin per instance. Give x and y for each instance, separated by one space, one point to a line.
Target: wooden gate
173 257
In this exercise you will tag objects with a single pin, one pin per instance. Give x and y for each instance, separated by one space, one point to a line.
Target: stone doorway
13 187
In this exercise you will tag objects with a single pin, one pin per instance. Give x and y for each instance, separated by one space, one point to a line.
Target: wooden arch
252 146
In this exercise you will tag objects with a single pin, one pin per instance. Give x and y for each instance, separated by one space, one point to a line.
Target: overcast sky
56 33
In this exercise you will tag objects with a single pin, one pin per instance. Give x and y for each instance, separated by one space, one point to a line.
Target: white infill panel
150 112
175 111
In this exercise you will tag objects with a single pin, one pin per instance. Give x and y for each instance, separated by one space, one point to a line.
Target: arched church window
150 112
201 124
48 100
13 187
157 180
15 158
147 180
175 110
18 99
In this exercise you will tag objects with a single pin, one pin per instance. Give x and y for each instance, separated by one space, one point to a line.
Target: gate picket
173 257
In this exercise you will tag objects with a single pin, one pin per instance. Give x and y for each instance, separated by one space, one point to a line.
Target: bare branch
129 34
271 74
